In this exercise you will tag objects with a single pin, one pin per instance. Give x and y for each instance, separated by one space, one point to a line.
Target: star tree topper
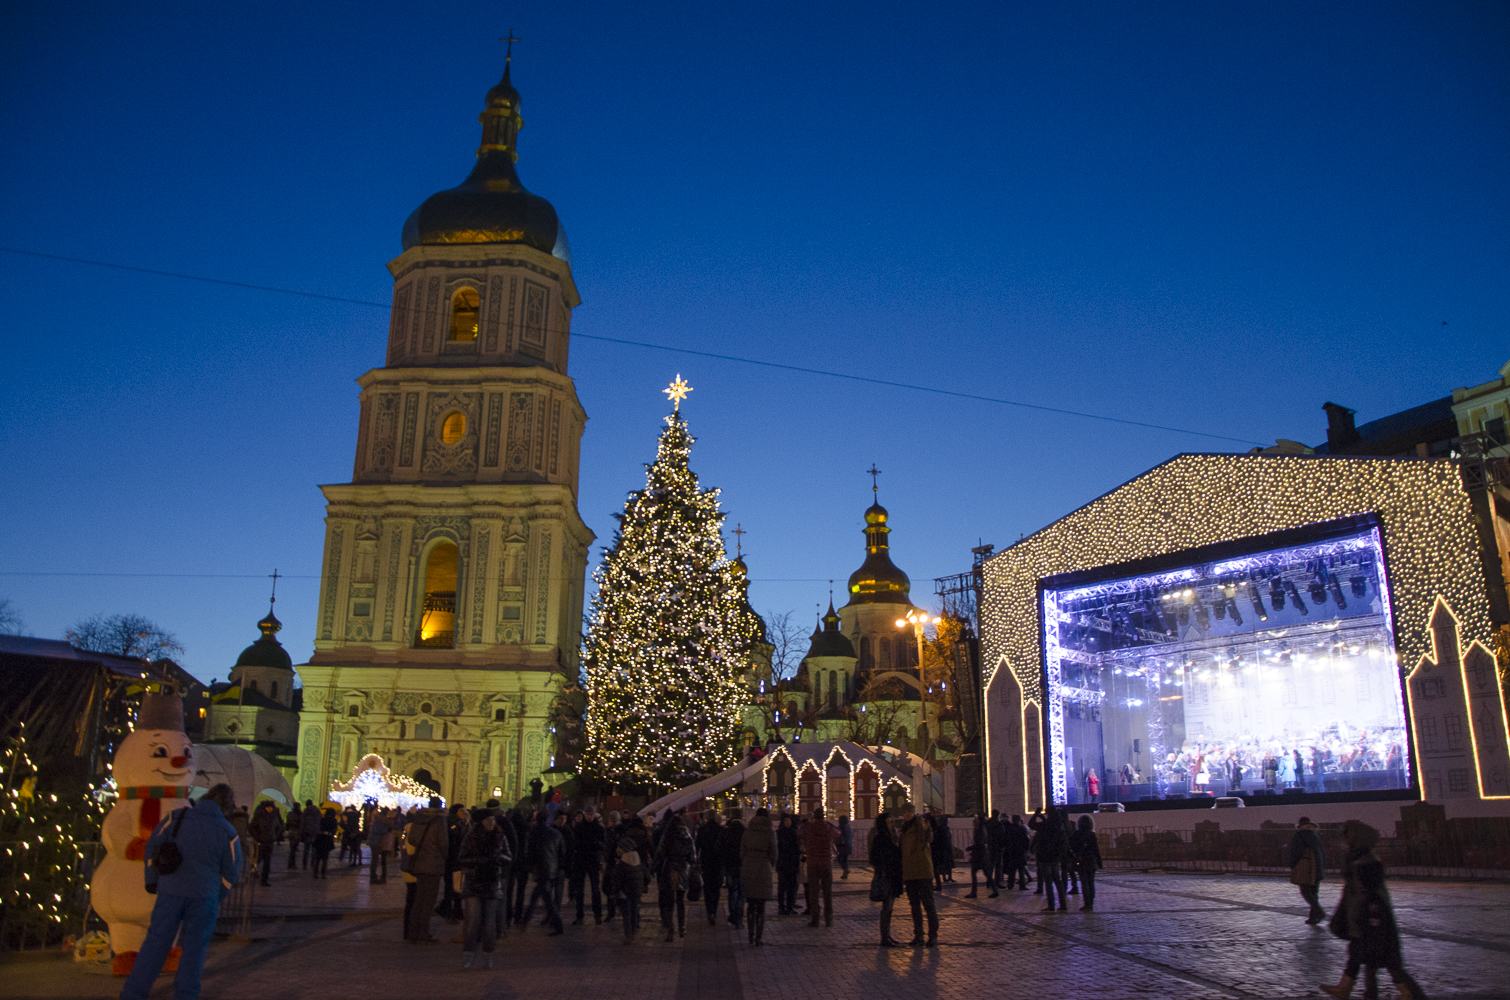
677 393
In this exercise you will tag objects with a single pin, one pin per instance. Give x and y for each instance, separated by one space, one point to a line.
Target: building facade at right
1288 630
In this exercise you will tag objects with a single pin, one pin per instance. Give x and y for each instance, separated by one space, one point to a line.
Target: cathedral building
259 708
452 581
859 679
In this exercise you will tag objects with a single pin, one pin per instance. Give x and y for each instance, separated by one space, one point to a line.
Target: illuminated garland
371 781
668 633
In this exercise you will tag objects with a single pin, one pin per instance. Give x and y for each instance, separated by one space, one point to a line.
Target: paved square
1165 935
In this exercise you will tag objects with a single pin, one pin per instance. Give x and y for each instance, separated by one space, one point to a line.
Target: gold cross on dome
677 393
511 39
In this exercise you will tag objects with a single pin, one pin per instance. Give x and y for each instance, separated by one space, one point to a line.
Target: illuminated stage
1295 631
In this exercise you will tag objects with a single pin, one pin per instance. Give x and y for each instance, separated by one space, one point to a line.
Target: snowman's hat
161 711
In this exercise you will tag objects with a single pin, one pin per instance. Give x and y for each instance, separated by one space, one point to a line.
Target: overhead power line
664 347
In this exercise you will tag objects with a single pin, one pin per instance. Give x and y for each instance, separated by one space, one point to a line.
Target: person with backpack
192 860
1308 866
1365 919
629 878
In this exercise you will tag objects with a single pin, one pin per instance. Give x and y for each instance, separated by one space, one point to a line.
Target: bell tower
454 563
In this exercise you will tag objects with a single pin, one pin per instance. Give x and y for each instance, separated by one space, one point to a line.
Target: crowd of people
490 868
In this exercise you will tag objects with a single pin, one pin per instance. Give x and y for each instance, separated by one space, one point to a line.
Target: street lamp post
919 620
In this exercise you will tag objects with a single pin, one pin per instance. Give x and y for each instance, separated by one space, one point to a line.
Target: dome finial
874 488
508 54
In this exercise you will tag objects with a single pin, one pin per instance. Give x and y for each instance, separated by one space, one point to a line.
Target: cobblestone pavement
1166 935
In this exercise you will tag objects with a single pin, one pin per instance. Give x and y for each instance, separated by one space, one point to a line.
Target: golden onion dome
878 581
491 205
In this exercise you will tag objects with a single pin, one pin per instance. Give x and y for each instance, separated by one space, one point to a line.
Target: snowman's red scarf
151 797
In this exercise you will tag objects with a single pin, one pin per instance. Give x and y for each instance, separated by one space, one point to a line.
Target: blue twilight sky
1214 217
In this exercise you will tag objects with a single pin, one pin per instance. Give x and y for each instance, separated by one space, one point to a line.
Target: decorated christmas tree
668 631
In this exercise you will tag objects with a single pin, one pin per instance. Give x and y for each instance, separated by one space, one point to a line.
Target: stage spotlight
1203 617
1258 602
1335 586
1295 597
1360 586
1277 594
1237 616
1318 592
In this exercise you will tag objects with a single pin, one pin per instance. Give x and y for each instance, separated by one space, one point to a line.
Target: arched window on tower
833 689
438 612
465 306
885 653
275 689
867 662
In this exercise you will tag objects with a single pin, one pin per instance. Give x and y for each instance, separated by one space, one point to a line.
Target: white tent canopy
250 776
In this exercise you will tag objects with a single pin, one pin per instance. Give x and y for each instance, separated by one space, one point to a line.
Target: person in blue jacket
190 895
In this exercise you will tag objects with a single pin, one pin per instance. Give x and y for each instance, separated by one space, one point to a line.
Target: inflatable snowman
153 770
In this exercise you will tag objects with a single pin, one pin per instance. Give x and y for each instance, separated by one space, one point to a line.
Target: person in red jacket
818 844
1093 786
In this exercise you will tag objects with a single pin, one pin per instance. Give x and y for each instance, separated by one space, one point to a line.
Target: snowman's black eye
160 752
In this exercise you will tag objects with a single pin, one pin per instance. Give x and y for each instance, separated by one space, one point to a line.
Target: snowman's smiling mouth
171 774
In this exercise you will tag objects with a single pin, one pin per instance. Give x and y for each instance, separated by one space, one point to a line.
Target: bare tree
789 642
10 618
124 635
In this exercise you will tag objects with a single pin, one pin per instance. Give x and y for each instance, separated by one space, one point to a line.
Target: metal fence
1447 853
236 909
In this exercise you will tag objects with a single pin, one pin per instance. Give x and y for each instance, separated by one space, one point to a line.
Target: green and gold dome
878 581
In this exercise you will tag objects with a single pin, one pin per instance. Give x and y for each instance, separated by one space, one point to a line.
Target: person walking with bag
1308 866
628 880
788 866
426 847
980 854
886 884
708 860
193 858
1365 919
265 828
730 861
757 857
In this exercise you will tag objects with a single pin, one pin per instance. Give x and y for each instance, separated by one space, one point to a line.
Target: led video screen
1266 673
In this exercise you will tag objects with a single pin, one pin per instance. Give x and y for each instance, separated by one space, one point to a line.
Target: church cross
274 599
874 472
739 533
508 55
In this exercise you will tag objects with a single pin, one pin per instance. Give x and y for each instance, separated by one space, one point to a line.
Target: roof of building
829 641
878 580
1400 432
491 205
266 651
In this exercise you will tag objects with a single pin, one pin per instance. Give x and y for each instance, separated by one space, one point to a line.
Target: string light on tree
668 630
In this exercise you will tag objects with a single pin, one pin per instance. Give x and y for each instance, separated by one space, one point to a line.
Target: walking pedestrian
729 860
844 847
351 836
524 864
188 893
425 850
265 829
788 865
292 822
484 862
942 849
1087 851
673 859
588 840
1365 918
1049 847
918 874
1069 869
1308 867
996 846
887 883
629 879
545 849
458 819
758 854
708 859
1018 845
612 831
309 830
378 840
325 842
818 840
980 853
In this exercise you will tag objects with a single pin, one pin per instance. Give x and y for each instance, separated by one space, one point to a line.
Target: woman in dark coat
1366 919
757 856
1087 852
673 857
980 854
886 860
788 864
629 874
484 863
